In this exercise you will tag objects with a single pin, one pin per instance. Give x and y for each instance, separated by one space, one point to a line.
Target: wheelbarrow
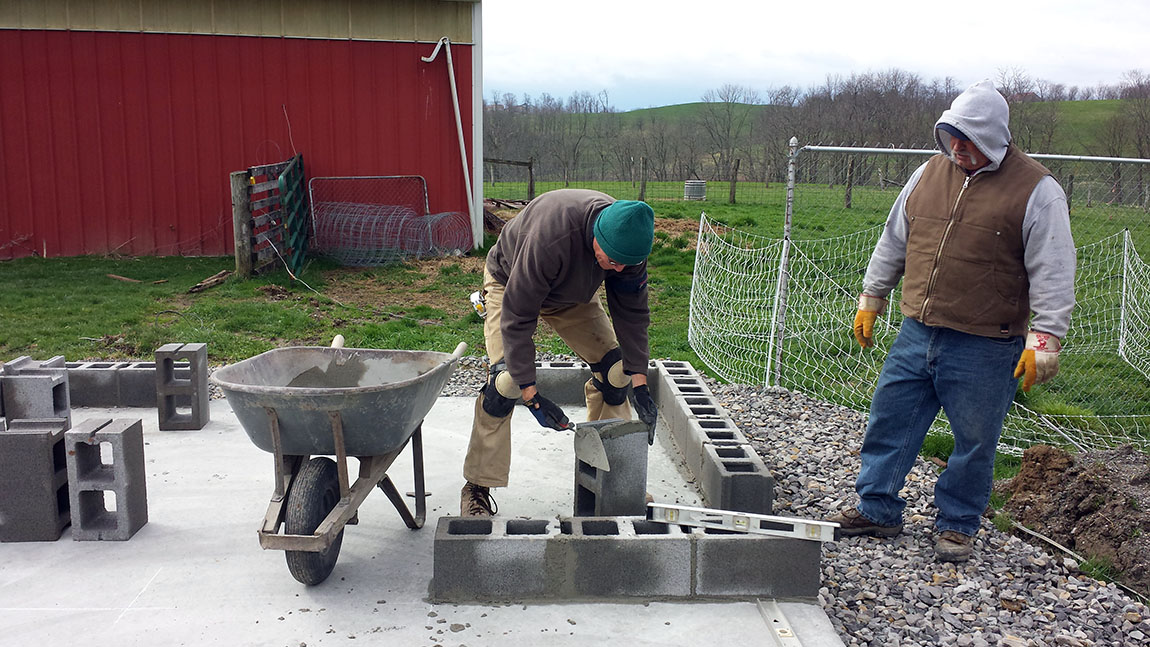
305 401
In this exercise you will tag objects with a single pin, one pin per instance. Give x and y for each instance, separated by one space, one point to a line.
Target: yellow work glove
1039 362
869 310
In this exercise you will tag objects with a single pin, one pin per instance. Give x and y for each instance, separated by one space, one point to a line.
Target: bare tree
726 119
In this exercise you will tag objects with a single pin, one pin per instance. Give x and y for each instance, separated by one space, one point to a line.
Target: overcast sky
647 53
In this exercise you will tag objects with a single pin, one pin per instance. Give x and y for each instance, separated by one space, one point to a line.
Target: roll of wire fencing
363 221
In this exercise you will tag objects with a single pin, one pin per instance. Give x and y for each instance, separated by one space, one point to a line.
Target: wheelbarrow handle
459 351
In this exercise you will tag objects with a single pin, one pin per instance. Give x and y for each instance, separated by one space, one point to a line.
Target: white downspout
458 125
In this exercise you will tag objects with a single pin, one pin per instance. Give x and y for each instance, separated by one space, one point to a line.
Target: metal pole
779 316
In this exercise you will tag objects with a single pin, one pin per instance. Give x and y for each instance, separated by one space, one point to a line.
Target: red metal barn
120 120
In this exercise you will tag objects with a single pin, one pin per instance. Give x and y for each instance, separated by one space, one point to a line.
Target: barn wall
123 141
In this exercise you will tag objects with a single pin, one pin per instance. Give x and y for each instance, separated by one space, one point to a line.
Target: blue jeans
972 379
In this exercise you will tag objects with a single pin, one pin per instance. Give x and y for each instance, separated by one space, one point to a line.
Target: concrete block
619 557
172 389
94 384
747 565
694 433
34 504
35 389
562 382
490 559
136 384
735 478
109 497
620 491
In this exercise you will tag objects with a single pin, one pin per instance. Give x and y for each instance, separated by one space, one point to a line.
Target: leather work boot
475 501
852 523
953 546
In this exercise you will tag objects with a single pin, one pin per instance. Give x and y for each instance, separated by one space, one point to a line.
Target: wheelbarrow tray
381 396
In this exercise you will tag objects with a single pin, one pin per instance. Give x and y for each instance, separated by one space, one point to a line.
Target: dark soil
1095 503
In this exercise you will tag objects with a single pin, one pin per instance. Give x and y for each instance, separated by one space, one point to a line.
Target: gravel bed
893 591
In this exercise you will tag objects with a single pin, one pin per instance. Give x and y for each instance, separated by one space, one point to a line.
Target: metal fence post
779 316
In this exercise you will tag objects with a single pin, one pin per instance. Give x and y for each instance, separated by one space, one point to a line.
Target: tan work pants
586 329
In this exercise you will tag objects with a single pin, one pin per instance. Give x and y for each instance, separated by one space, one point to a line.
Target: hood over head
982 114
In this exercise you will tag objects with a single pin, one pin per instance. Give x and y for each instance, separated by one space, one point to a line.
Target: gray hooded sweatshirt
982 114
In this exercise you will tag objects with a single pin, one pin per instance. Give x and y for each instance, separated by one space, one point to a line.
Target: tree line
738 132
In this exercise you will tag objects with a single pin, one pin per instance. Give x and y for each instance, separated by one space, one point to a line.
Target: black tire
314 493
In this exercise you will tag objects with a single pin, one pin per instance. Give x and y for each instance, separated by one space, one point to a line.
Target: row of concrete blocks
730 473
91 476
616 557
176 383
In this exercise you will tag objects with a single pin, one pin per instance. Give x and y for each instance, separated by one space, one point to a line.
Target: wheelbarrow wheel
314 493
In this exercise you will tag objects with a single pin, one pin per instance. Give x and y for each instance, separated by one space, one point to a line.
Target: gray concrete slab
195 574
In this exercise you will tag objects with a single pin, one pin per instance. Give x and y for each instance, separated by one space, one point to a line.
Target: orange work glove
1039 362
869 310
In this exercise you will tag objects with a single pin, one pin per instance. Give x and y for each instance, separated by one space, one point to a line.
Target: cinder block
748 565
682 410
35 389
694 433
94 384
106 457
34 503
735 478
171 387
620 491
136 384
562 382
619 557
490 559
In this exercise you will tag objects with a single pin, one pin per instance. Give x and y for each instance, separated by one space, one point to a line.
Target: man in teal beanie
549 264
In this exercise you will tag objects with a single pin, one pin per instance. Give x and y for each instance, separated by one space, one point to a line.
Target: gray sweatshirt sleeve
1050 258
888 261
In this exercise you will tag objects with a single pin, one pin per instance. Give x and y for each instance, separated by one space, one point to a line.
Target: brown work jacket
964 250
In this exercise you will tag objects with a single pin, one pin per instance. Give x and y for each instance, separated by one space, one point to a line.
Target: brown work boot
852 523
953 546
475 501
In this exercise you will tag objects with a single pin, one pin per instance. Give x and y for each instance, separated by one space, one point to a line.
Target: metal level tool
758 524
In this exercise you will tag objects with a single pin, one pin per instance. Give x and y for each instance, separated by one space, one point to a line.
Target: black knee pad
611 366
495 403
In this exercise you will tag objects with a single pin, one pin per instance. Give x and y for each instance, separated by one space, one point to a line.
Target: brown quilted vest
964 253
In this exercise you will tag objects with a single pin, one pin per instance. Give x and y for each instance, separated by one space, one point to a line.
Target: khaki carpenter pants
586 329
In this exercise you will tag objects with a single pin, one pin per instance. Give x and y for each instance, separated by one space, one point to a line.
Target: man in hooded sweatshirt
980 236
548 264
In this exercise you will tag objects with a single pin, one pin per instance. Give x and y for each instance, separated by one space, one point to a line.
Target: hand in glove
1039 362
646 409
547 412
869 310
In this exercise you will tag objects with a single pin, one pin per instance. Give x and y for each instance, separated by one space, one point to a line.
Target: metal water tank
695 190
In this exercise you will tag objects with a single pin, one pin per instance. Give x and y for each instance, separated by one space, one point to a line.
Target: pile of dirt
1095 503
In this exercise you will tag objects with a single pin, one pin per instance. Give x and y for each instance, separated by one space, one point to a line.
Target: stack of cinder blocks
499 559
34 503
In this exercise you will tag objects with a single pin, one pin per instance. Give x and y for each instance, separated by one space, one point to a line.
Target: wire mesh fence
362 221
777 311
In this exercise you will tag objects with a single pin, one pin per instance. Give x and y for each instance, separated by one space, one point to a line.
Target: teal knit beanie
625 230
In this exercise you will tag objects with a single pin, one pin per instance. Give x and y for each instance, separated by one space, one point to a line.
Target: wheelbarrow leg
385 484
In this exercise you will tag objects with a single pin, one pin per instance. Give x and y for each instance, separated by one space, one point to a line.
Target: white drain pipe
458 124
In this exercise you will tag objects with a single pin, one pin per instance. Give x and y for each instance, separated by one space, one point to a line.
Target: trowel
588 444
